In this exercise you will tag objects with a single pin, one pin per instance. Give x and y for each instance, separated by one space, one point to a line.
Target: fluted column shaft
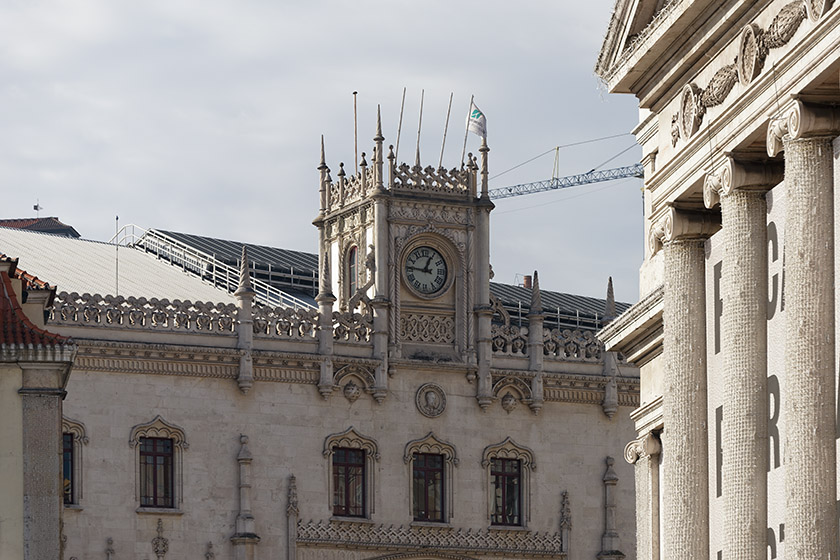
744 290
685 466
809 403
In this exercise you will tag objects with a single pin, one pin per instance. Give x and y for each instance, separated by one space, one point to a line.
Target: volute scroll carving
645 446
734 174
802 120
681 224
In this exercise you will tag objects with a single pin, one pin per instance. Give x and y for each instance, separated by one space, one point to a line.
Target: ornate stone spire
417 157
244 289
536 297
609 306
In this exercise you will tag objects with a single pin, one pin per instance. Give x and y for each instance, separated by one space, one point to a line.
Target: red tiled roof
15 327
50 224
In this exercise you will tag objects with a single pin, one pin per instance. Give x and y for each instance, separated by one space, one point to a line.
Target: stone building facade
735 332
408 416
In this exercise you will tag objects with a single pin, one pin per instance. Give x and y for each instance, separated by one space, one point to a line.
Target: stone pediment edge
579 389
649 306
611 71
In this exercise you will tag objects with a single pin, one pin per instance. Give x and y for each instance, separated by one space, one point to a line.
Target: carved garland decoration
753 48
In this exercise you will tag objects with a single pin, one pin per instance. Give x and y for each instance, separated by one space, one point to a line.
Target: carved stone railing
510 339
349 189
352 327
281 322
509 544
569 344
141 313
430 180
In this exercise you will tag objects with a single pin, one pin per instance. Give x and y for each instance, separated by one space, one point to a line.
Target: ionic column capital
645 446
802 120
744 175
681 224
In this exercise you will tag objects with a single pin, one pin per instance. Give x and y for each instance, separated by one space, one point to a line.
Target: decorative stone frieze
160 544
521 544
352 327
416 327
453 182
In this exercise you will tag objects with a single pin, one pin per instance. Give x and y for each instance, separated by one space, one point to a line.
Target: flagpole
466 131
356 131
399 128
445 128
419 126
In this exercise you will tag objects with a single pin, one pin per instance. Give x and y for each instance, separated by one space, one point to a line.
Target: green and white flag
477 122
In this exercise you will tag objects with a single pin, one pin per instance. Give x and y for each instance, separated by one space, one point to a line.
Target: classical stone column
644 454
809 400
684 402
740 189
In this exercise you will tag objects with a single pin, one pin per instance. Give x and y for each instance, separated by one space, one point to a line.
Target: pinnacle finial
536 296
244 277
323 164
363 161
417 157
609 305
341 169
378 137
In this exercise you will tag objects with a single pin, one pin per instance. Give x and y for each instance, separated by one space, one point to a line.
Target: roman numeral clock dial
425 270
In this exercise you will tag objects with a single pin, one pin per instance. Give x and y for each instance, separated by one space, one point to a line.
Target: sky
206 117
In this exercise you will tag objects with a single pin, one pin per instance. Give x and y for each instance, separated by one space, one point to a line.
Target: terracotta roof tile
15 327
50 224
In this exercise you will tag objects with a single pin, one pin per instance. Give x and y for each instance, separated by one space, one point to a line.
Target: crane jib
635 170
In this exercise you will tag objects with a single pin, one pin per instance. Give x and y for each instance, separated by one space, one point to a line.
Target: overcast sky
205 117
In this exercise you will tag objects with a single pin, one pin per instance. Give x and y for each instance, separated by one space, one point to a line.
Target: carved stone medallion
690 110
750 56
430 400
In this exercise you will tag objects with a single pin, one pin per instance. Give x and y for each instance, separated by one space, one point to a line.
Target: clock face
425 270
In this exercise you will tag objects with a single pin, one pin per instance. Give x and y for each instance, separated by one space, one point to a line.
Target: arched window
430 462
352 271
159 448
509 468
351 459
74 436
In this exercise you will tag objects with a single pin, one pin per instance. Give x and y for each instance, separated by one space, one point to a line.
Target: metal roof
231 251
552 301
84 266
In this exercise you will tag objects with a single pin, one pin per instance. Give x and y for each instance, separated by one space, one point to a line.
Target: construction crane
635 170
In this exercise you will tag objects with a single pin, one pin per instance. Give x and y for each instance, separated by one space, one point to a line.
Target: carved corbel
736 174
681 224
803 120
646 446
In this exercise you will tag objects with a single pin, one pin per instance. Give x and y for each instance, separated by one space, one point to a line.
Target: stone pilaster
809 405
740 188
245 539
292 513
610 541
644 454
380 304
684 402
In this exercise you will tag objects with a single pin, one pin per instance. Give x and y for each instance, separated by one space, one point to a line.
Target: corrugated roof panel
80 265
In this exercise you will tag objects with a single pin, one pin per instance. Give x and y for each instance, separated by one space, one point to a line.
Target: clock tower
409 246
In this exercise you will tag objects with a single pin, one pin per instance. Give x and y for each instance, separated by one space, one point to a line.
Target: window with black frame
348 482
506 480
156 472
427 482
67 468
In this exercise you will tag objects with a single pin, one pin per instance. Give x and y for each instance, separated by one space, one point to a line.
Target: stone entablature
743 77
